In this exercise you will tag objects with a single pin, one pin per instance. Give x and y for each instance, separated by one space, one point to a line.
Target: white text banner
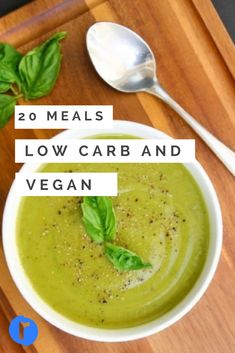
66 184
104 151
63 117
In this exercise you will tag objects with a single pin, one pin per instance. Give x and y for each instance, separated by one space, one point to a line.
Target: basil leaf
123 259
9 60
7 73
9 54
4 86
7 104
40 67
99 218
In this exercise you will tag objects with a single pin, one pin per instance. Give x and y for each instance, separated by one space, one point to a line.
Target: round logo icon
23 330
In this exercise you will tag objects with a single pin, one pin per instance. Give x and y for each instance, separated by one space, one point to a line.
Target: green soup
161 216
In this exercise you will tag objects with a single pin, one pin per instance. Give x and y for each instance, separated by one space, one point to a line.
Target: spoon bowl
128 65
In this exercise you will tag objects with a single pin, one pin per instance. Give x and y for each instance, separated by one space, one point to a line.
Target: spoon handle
225 154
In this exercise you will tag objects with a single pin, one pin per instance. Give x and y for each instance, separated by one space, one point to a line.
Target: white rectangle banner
105 151
63 116
66 184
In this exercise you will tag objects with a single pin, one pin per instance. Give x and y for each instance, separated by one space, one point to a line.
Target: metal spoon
123 59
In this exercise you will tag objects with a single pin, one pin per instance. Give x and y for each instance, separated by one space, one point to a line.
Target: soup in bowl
166 213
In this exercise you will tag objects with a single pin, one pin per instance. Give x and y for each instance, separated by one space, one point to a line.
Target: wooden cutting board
196 64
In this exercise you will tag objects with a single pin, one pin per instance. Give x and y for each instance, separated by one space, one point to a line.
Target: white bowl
115 335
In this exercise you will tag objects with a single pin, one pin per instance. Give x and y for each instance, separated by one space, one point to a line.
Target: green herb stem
14 91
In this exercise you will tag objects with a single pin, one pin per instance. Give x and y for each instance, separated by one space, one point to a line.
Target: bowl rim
130 333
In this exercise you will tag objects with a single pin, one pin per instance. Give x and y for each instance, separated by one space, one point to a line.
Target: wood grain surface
195 63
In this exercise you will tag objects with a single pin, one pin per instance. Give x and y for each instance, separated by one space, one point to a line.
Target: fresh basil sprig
123 259
100 224
99 218
34 74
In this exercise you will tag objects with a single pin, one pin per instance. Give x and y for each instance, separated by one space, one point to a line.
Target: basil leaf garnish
9 60
100 224
7 104
123 259
40 67
99 218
